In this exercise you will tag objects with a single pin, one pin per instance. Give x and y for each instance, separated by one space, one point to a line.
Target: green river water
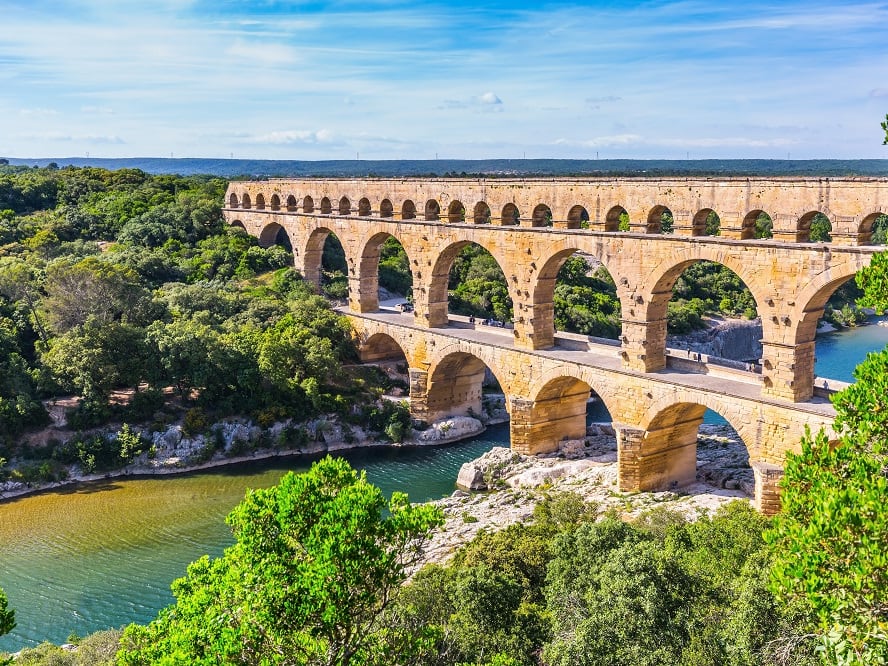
103 555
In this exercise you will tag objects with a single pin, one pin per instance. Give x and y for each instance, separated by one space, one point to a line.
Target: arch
578 217
381 347
238 224
345 207
326 206
872 229
481 213
455 383
260 202
291 204
617 219
386 209
233 201
756 224
313 255
660 220
364 207
667 456
432 210
510 215
456 212
368 269
706 223
408 210
542 216
275 234
308 205
813 227
245 201
275 202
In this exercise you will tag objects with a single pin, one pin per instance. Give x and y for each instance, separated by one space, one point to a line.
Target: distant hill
238 168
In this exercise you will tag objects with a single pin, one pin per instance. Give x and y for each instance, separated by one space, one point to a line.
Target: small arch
432 210
326 206
345 207
386 209
308 205
511 215
233 201
275 202
260 202
660 221
381 347
364 207
578 218
246 203
756 224
617 219
456 212
706 223
482 213
813 227
291 204
408 210
542 216
873 230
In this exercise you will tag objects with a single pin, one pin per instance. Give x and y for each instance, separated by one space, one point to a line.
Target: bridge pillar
767 486
788 370
660 459
644 345
538 426
363 292
786 228
419 394
731 226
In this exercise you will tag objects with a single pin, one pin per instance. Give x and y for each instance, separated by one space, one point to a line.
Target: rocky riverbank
509 485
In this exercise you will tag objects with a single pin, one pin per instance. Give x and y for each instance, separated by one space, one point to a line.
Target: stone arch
440 276
233 201
386 209
665 457
803 227
364 207
381 347
706 223
482 213
577 217
275 202
655 222
455 378
510 215
275 234
544 295
542 216
752 228
308 205
408 210
245 201
368 269
326 206
238 224
345 207
456 212
432 210
613 218
260 202
313 254
865 230
291 204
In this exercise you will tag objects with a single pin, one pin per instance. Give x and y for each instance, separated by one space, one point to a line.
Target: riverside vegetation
172 299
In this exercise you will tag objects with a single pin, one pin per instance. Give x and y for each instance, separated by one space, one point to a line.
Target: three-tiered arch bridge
531 226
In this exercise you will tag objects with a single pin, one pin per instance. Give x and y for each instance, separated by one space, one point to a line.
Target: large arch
238 224
274 234
368 269
381 347
440 276
454 382
313 255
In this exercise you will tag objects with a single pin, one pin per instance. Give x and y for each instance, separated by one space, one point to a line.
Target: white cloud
489 98
602 141
289 137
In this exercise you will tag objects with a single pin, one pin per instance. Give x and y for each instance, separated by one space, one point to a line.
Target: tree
885 127
7 620
317 561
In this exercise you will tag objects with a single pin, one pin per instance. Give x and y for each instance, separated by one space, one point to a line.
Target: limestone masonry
531 227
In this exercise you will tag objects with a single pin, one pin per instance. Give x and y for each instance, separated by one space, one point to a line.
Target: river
103 555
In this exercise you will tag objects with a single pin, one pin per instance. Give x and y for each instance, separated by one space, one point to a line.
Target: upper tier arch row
852 205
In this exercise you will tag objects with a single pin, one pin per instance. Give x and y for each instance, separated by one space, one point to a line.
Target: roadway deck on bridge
600 356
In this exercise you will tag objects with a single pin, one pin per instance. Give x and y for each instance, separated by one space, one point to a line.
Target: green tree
318 559
885 128
7 620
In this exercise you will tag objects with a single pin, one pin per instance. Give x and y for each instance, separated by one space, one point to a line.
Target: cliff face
735 339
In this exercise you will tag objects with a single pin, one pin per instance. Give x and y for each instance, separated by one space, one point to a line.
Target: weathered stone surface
470 477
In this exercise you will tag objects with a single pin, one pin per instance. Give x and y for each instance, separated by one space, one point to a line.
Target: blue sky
398 80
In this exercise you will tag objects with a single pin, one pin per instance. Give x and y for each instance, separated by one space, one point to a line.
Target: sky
391 79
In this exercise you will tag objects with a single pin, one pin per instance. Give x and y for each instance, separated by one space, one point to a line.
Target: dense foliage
318 560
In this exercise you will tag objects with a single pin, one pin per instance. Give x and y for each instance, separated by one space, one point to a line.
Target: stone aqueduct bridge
531 227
